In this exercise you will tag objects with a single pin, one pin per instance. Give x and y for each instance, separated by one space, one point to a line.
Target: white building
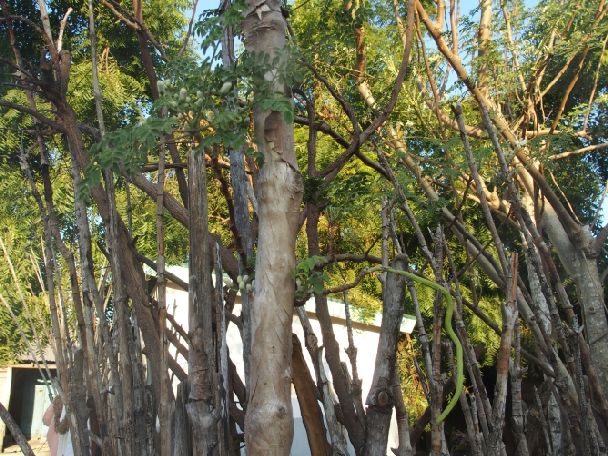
365 335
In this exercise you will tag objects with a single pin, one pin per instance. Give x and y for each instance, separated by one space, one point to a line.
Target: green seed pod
226 86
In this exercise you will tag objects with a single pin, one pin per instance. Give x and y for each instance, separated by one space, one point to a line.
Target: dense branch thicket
404 157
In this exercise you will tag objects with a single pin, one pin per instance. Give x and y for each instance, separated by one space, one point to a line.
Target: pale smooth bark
584 272
269 417
573 242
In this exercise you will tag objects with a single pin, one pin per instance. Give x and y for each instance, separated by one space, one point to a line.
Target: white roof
336 308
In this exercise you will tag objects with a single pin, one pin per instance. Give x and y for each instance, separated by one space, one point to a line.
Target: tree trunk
182 436
15 431
269 418
131 269
584 272
380 400
306 391
354 423
201 359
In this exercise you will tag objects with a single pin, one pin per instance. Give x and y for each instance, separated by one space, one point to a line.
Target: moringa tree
406 176
279 188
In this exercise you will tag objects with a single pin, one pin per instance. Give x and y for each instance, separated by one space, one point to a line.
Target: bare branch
128 21
134 24
46 22
347 286
480 189
584 150
13 427
35 114
171 204
569 89
509 34
31 23
399 79
483 38
598 244
62 25
350 257
189 33
595 82
558 75
346 106
600 206
323 127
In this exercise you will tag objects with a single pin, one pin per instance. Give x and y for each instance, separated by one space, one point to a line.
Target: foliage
538 71
309 279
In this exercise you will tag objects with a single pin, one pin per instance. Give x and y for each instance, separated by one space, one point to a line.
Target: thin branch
595 83
511 45
561 192
331 171
599 241
349 257
128 21
324 127
31 23
347 286
583 150
62 25
371 163
583 40
399 79
600 206
558 76
134 24
562 213
20 71
35 114
189 33
346 106
429 74
569 89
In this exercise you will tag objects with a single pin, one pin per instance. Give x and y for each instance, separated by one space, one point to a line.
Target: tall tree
269 418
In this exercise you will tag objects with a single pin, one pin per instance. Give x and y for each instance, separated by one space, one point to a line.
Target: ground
39 447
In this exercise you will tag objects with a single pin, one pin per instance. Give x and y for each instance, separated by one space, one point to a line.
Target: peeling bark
201 360
269 417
